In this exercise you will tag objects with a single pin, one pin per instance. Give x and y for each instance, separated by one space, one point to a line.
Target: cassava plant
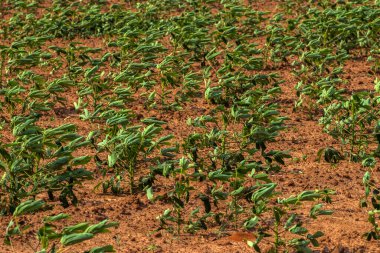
48 235
286 231
41 161
351 121
371 200
126 147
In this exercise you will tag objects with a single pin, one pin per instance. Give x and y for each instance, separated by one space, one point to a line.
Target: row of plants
159 57
320 39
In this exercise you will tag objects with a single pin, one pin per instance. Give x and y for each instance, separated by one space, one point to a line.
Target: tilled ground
303 138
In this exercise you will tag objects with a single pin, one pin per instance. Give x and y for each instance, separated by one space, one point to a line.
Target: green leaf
112 158
28 206
57 217
218 175
265 191
297 229
59 163
71 239
82 160
212 54
251 223
101 227
237 191
290 221
206 202
80 227
149 194
103 249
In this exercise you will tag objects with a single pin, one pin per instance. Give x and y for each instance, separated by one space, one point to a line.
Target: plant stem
276 237
131 176
179 221
352 129
1 69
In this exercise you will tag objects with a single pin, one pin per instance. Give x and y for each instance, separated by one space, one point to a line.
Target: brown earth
304 137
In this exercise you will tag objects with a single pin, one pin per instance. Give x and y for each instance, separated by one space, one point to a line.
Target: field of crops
189 126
